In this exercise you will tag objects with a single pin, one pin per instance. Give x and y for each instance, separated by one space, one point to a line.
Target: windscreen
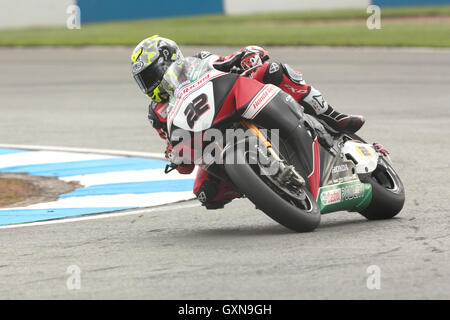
182 73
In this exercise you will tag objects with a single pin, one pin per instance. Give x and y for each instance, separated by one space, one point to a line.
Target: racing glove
250 57
176 162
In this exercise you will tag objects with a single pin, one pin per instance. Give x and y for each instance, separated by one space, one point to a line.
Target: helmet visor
149 78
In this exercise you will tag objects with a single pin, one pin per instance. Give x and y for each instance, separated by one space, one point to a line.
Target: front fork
284 170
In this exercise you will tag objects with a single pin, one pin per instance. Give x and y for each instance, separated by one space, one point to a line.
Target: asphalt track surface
85 98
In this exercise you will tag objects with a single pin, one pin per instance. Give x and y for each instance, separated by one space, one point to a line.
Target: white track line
87 150
127 176
126 200
102 216
47 157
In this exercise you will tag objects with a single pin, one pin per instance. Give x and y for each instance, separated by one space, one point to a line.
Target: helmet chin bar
159 95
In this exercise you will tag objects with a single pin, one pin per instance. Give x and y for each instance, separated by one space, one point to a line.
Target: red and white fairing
264 96
198 95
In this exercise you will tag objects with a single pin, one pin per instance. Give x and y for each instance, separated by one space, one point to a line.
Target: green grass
338 27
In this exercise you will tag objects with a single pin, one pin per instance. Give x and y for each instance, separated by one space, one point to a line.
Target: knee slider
207 191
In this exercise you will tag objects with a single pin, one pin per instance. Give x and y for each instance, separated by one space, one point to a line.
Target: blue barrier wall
107 10
398 3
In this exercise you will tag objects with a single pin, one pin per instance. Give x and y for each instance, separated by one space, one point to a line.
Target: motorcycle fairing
237 98
282 113
260 100
205 103
210 99
336 169
364 155
350 196
341 188
314 176
193 101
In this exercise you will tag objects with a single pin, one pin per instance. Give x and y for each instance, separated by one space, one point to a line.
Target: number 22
196 109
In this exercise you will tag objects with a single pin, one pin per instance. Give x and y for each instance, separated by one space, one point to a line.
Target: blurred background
225 22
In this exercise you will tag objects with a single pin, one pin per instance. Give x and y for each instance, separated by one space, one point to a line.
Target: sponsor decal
340 168
204 54
330 197
274 67
293 90
364 151
166 54
345 193
320 101
257 103
353 191
260 100
138 66
195 85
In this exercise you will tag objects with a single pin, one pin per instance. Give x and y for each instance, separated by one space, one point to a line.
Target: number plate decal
194 107
196 112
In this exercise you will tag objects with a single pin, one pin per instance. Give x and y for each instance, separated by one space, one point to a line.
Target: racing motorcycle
309 171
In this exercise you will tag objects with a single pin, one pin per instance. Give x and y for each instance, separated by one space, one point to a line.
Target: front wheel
297 215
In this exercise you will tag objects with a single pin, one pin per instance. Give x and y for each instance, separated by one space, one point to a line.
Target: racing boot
315 104
341 122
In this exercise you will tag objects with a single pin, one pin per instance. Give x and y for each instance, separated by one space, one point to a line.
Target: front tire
270 202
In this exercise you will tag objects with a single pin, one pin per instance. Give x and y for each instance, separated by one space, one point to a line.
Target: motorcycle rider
152 57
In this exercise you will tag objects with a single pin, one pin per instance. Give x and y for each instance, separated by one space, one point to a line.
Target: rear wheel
388 192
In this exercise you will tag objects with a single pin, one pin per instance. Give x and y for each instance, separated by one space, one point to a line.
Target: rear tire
269 201
388 193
